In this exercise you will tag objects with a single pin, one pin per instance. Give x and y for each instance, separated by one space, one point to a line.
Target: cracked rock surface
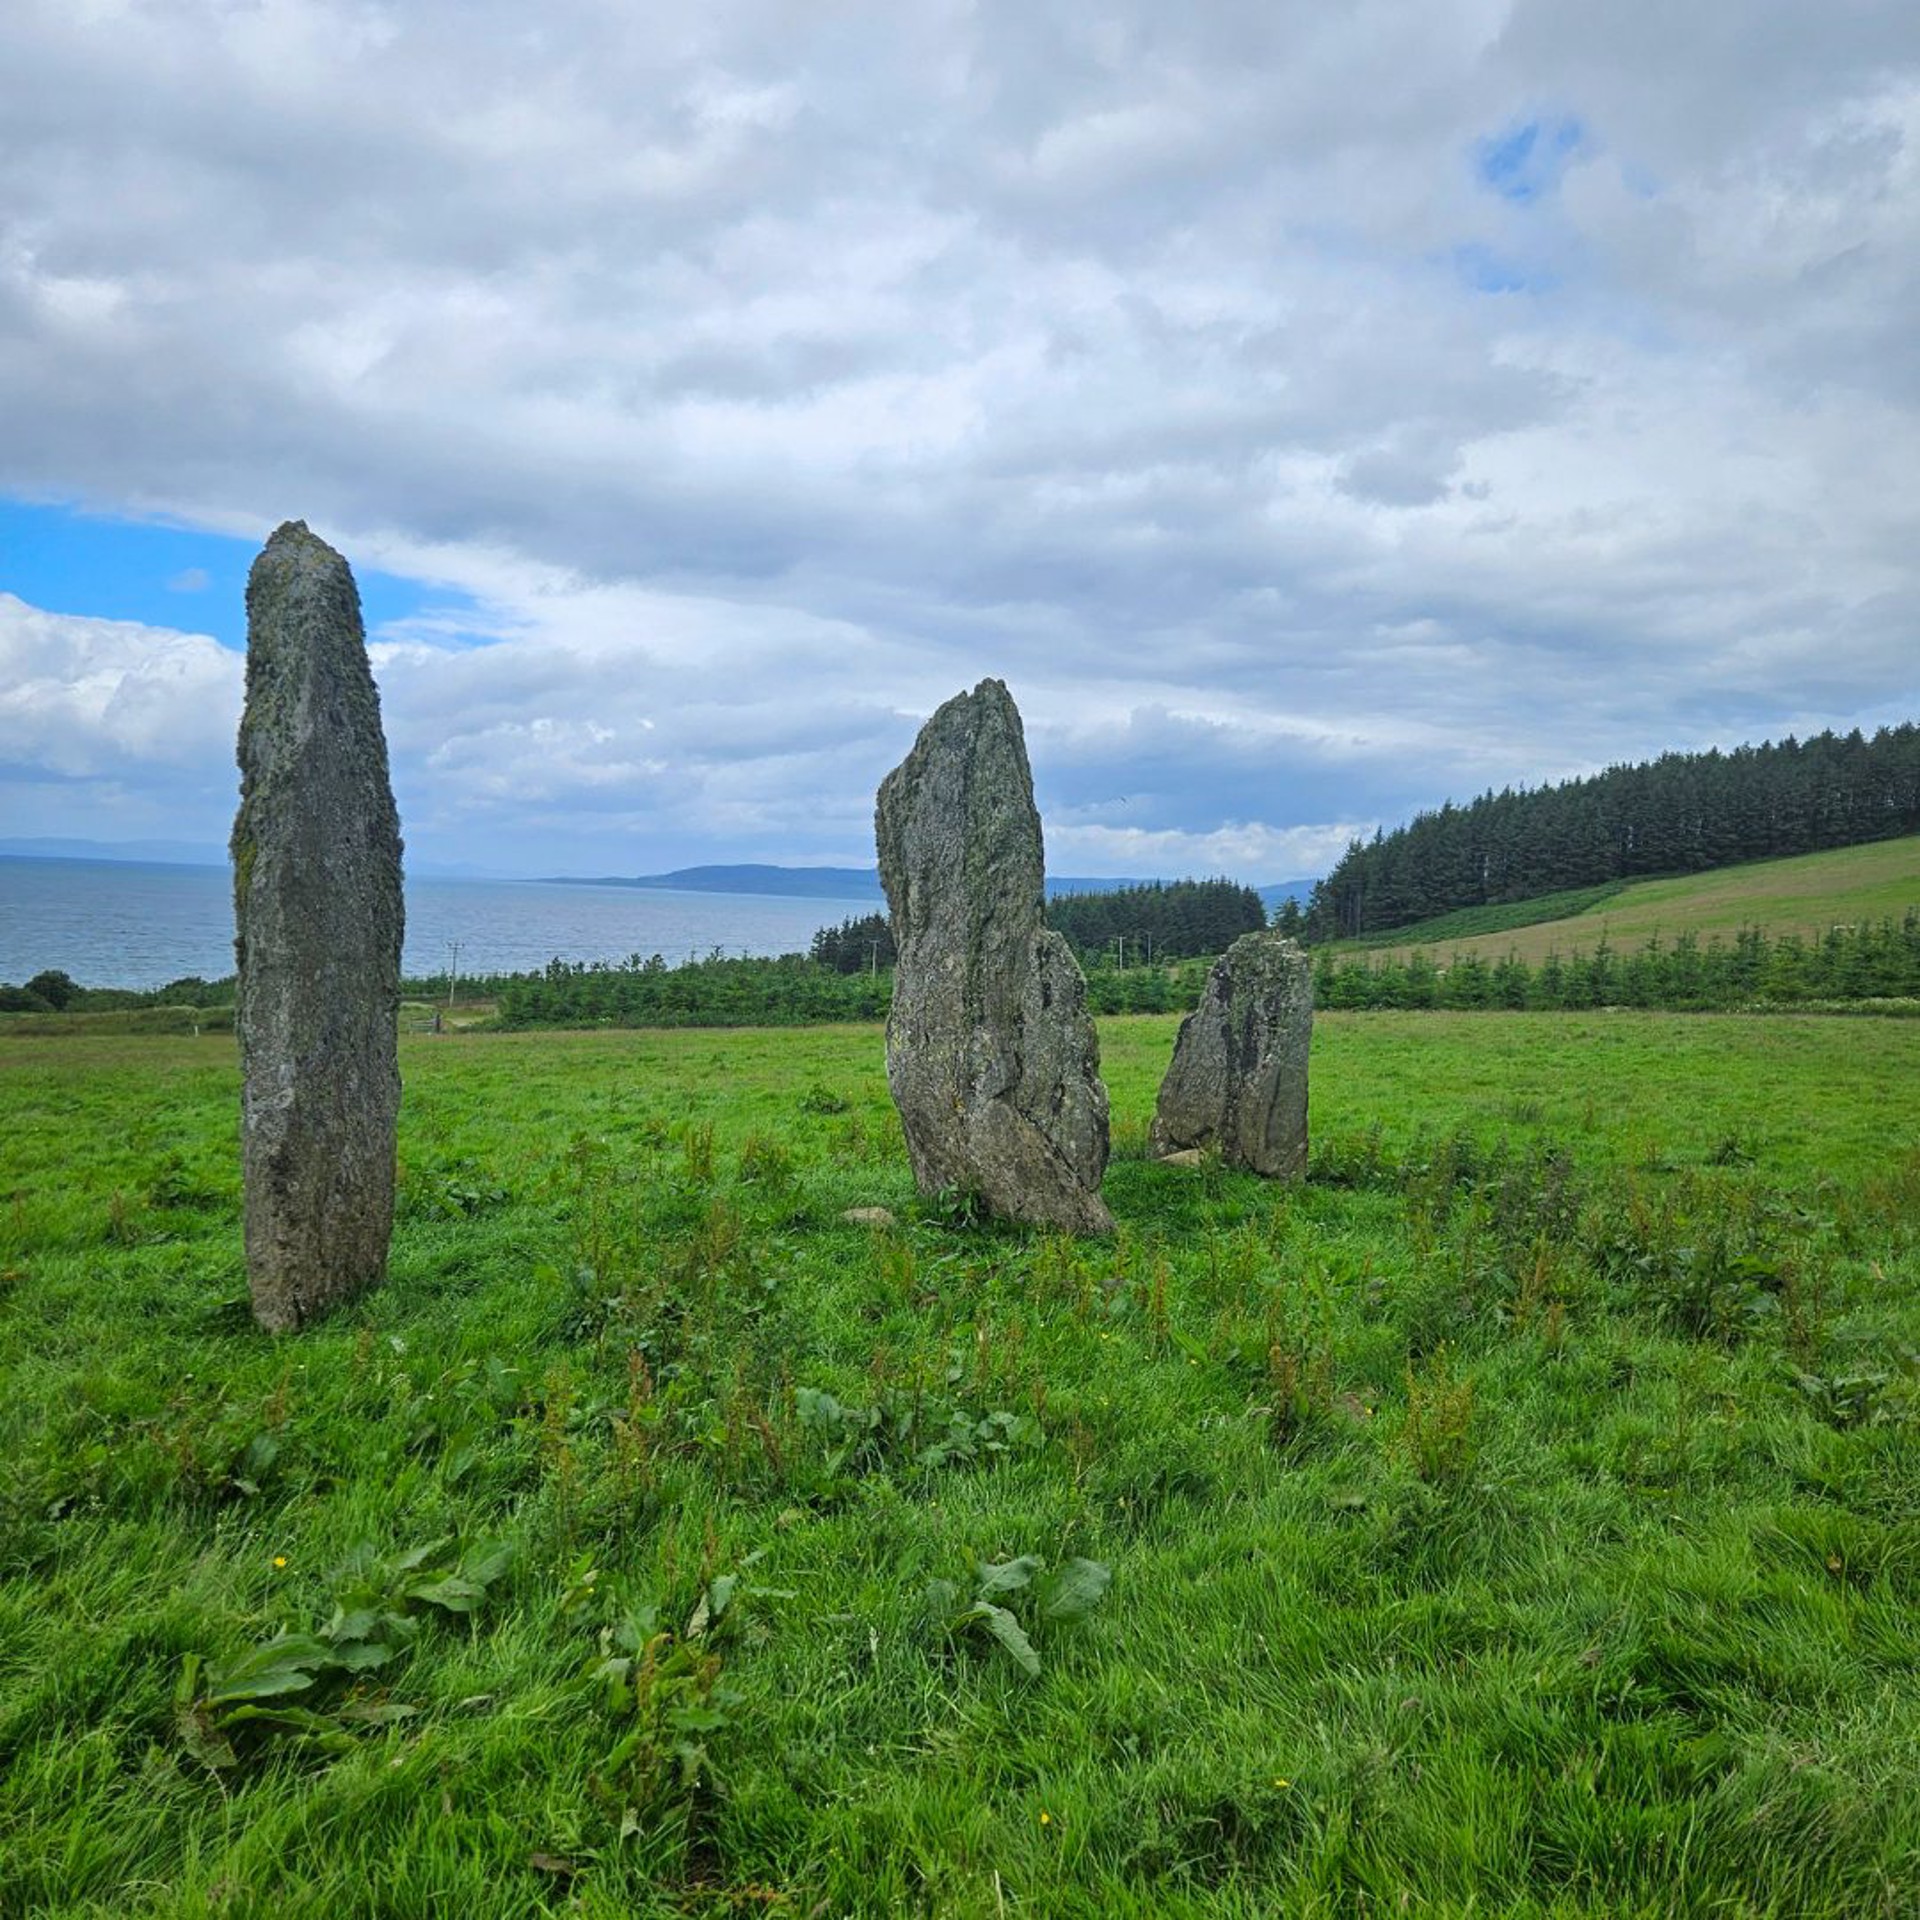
1238 1083
992 1056
318 919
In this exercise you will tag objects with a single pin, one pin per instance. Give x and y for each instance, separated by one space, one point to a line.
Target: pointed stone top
298 536
989 701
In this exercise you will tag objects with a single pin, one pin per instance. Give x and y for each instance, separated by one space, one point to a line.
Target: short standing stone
1238 1083
991 1054
318 916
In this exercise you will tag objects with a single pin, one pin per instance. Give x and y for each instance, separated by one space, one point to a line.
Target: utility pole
453 970
873 959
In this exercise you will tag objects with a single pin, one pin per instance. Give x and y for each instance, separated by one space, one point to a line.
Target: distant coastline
134 853
790 883
751 879
141 924
852 883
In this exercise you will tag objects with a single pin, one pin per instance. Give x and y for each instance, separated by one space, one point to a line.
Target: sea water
114 923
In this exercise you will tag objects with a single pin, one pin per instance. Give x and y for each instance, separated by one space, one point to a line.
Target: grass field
1805 896
1521 1516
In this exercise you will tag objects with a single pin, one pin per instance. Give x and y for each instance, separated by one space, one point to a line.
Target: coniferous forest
860 945
1173 920
1682 813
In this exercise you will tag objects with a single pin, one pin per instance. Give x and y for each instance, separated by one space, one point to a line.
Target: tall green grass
1517 1517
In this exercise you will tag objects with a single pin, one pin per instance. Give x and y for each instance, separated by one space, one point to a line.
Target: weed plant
1521 1515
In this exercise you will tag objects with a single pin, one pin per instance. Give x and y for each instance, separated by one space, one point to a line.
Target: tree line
1163 920
1876 961
862 945
1869 962
1865 963
1682 813
54 991
715 992
1124 926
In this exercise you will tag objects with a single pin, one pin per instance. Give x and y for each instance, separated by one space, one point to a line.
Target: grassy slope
1805 895
1478 1541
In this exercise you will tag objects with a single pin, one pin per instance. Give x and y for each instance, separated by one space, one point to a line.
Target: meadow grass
1804 895
1522 1515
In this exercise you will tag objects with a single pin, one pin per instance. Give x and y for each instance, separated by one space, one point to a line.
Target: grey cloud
1125 351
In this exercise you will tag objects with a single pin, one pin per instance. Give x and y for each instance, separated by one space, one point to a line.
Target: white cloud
109 698
767 375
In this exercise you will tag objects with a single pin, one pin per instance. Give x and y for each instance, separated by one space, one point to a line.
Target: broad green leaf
1006 1629
287 1664
1009 1576
416 1557
449 1591
202 1738
362 1656
1073 1591
697 1719
485 1565
286 1719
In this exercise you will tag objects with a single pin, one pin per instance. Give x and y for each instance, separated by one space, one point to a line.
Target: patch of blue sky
1486 271
1527 161
62 560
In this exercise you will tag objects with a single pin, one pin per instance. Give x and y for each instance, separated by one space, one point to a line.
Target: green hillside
1682 813
1804 895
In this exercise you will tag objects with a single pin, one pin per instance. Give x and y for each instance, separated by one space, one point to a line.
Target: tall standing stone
991 1054
1238 1082
318 916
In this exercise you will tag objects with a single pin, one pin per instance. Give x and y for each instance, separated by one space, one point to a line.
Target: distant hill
187 853
1805 895
797 883
792 883
160 853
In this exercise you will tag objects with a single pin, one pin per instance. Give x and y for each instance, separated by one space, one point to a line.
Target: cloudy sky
1313 412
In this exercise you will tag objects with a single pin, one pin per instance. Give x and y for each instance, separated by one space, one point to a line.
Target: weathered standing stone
1238 1082
318 917
991 1053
